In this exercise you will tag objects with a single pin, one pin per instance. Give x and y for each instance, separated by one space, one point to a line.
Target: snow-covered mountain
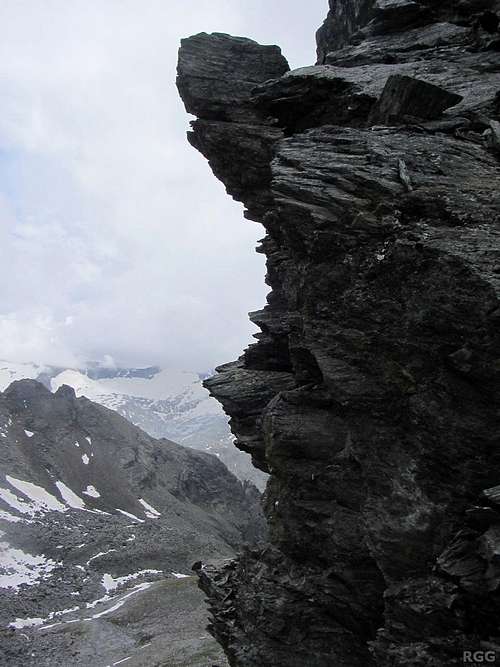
96 515
165 403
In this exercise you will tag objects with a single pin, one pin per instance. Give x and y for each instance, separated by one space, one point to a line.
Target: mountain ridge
94 511
163 402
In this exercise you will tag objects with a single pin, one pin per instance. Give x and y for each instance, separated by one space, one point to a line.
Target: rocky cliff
372 394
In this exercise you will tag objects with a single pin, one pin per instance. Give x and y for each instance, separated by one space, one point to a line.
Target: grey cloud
115 237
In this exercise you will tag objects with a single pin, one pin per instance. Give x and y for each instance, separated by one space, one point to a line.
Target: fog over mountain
121 242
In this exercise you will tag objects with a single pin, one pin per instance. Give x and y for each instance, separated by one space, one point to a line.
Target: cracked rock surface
372 394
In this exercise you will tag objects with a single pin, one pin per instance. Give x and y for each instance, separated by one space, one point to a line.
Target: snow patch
30 434
41 500
166 383
91 491
30 622
18 567
100 554
110 583
21 623
69 497
179 575
9 372
9 517
151 513
130 516
85 459
16 503
82 384
121 602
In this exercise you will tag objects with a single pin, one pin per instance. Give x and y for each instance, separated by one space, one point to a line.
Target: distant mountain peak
166 403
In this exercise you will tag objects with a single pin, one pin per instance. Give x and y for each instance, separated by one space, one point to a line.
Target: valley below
100 525
154 624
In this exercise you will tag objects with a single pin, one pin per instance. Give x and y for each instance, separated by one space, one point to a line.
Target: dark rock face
372 395
232 67
344 19
406 97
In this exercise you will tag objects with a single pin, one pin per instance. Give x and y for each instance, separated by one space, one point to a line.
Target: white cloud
115 239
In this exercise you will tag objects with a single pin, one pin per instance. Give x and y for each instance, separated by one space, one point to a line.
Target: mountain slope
90 505
165 403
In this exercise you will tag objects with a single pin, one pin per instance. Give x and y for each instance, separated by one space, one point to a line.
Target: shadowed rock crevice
372 394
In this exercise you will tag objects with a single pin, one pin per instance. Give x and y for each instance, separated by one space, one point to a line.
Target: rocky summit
100 525
372 395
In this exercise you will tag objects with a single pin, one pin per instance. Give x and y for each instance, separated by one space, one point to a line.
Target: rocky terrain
166 403
99 527
372 394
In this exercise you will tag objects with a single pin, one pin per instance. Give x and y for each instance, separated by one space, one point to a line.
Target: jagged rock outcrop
372 395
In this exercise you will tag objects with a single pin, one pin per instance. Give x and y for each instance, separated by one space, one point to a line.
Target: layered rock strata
372 394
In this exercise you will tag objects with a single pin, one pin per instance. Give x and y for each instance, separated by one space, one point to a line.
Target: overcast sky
115 238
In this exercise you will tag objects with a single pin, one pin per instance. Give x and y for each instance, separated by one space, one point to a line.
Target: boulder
405 97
